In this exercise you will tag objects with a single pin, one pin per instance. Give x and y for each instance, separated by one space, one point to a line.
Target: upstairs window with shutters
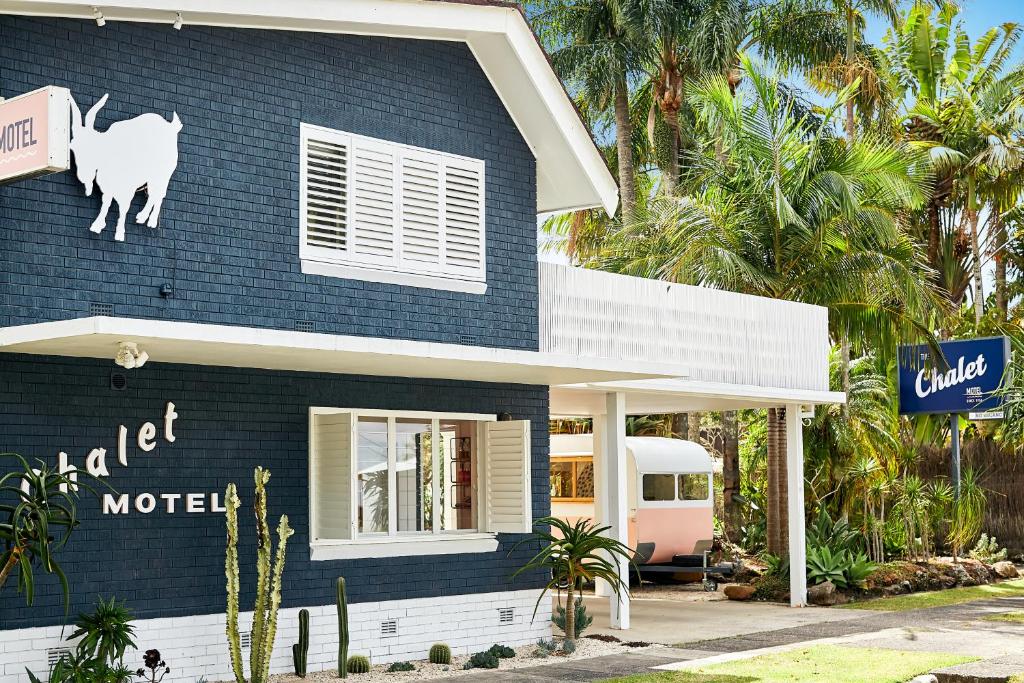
385 212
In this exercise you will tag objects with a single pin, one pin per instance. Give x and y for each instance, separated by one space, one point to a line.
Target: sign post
969 385
35 134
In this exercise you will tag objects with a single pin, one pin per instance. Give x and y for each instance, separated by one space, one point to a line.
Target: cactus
358 664
301 648
440 654
268 583
342 627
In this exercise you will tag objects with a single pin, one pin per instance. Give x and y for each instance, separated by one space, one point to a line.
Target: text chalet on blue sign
976 368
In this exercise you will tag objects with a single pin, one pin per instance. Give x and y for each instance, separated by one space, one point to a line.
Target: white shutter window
507 489
374 203
421 211
386 212
325 200
331 475
464 218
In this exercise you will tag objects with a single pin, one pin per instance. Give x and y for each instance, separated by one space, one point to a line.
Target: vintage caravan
670 493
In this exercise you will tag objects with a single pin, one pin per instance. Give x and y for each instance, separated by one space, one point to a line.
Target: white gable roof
571 173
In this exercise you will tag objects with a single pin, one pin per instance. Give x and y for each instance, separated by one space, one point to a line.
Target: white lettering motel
122 503
954 376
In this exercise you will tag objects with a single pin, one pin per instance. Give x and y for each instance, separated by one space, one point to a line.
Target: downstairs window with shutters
390 484
384 212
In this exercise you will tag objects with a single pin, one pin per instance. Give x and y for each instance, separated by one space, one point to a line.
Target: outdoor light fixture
128 356
98 15
178 22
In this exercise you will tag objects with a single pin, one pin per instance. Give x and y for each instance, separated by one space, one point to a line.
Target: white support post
617 499
601 517
795 490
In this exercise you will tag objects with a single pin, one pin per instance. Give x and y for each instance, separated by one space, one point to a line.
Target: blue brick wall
230 420
228 238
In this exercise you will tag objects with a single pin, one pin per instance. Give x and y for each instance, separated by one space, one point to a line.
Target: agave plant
39 504
573 554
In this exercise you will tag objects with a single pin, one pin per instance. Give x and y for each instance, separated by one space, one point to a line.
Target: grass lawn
812 665
952 596
1009 617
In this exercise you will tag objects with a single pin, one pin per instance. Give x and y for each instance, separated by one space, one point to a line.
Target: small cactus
440 654
483 660
301 648
401 666
358 664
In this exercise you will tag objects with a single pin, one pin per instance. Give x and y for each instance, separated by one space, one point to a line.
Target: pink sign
34 134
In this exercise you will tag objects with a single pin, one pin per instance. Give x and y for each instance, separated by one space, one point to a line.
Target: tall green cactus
342 628
268 583
301 648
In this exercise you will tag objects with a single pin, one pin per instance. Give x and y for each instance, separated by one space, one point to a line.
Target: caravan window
659 487
693 487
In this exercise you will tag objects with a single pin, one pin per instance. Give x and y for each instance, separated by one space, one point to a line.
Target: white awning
247 347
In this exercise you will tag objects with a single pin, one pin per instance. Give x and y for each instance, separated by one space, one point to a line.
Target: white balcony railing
720 336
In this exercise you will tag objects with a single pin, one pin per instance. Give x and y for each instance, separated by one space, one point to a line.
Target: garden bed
525 657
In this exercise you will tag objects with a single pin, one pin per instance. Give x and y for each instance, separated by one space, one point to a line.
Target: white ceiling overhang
680 395
571 173
248 347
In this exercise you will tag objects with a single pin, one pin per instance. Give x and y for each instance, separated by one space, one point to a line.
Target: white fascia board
719 390
571 174
247 347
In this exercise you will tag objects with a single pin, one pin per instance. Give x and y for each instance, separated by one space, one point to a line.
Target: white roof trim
248 347
571 173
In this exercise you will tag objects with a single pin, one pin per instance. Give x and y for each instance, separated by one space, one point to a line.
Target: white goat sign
130 155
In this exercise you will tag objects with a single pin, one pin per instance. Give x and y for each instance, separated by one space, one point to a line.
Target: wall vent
305 326
118 381
467 339
54 655
506 615
101 309
389 628
245 638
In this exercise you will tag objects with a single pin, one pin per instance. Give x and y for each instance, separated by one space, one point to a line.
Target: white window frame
320 261
394 543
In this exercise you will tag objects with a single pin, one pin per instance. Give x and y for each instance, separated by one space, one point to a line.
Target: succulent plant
483 660
440 654
502 651
358 664
301 648
401 666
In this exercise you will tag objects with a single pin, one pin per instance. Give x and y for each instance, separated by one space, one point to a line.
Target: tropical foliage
768 147
573 554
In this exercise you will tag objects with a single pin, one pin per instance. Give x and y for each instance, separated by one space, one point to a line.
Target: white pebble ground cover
585 648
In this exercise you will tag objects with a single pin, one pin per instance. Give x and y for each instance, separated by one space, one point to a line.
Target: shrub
440 654
358 664
482 660
568 646
401 666
502 651
987 550
778 565
773 588
824 565
582 621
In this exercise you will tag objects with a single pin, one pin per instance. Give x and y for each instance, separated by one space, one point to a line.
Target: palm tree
598 47
966 114
787 210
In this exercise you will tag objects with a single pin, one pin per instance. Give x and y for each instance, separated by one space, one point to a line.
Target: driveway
674 622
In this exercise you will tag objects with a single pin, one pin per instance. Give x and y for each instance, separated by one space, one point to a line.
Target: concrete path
671 622
704 633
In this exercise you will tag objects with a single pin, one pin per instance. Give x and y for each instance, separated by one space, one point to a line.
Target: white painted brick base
196 647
